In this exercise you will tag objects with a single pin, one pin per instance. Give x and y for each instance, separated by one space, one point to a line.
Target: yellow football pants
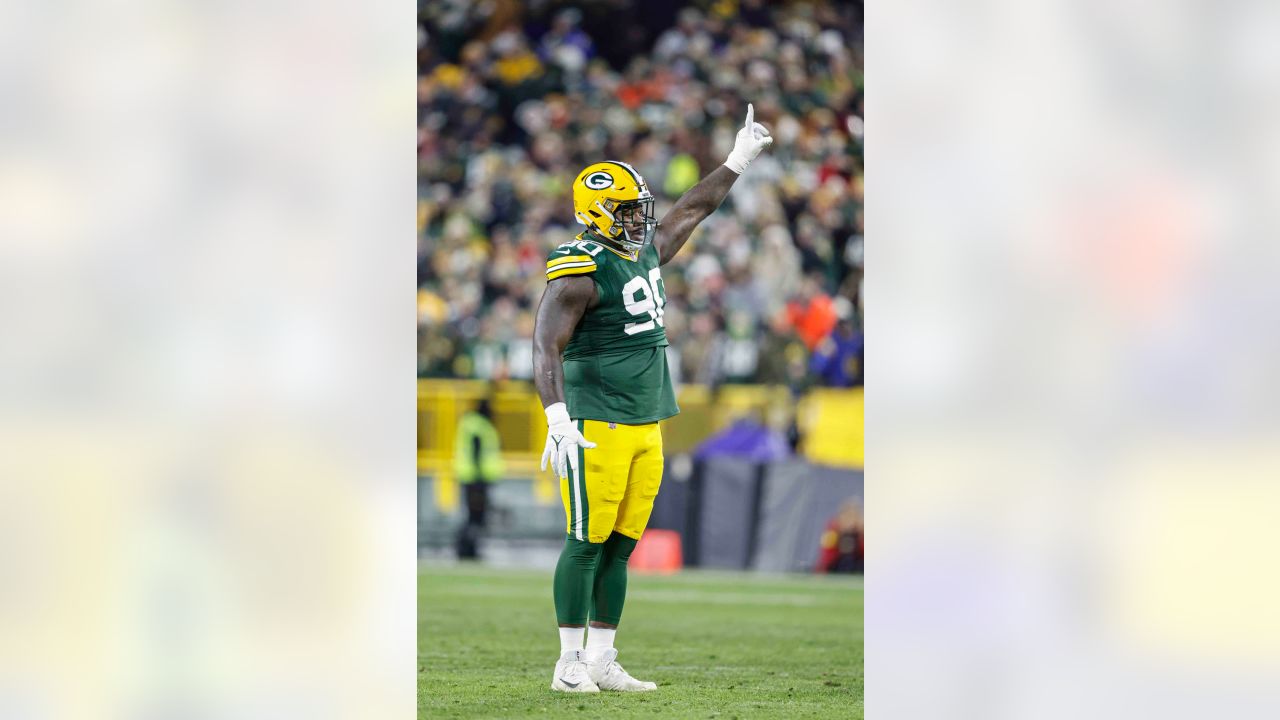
618 481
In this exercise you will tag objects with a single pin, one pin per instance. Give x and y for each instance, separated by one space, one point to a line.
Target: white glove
563 440
752 138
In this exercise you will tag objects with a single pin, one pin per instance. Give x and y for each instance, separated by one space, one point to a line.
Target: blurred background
514 98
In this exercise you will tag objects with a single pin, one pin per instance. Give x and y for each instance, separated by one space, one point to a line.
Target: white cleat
571 674
609 675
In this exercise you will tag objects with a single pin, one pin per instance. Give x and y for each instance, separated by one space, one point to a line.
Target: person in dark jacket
837 360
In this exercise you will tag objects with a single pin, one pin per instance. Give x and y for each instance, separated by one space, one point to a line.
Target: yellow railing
831 424
830 421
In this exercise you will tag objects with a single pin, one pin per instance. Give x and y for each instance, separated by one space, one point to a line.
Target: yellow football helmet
607 197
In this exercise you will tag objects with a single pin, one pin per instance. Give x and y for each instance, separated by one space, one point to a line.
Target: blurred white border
207 293
1071 417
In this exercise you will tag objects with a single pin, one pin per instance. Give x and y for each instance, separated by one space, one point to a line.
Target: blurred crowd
515 98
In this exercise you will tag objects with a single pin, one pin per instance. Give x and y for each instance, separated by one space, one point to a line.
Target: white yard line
728 598
820 584
712 597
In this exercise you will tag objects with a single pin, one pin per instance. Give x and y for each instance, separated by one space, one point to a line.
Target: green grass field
719 645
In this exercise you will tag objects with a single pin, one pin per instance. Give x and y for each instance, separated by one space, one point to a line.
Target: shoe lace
616 669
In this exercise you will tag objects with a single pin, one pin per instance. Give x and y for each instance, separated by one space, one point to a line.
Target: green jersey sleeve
572 258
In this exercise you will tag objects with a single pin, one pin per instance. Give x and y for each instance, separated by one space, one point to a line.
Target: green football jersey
615 365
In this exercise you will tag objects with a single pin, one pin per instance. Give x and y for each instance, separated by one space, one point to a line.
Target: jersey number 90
644 297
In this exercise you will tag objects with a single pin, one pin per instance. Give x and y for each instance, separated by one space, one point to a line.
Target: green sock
611 579
575 573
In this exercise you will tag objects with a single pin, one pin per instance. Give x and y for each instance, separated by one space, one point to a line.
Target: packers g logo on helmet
598 180
607 197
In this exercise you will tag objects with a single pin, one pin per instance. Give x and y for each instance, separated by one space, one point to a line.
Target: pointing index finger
751 115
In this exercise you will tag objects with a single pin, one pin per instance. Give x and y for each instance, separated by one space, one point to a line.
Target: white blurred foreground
1073 436
207 425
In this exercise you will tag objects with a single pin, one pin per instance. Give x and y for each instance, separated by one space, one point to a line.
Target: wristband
556 413
736 164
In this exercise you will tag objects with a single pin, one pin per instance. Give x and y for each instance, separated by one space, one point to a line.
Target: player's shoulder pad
576 257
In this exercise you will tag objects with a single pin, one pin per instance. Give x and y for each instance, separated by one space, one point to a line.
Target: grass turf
719 645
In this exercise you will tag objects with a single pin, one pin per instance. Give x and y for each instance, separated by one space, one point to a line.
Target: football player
601 370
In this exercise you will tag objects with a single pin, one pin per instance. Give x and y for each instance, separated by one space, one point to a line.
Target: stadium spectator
840 548
837 361
477 462
565 44
812 312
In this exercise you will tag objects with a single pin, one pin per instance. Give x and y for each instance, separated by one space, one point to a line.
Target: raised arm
692 208
702 199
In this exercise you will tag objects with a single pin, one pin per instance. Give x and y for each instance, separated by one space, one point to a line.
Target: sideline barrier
829 419
722 513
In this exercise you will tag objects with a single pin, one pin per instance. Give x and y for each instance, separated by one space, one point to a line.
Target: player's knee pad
582 553
619 547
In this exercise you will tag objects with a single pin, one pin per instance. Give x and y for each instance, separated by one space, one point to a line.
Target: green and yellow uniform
617 386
